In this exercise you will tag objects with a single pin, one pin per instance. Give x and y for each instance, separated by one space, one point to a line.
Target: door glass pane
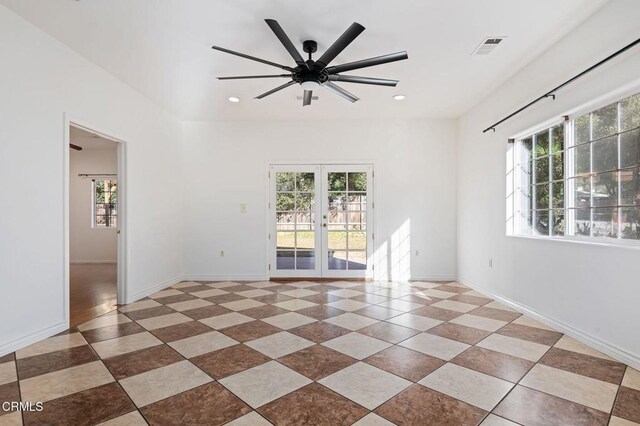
357 221
337 181
357 241
305 201
357 181
337 221
605 222
337 240
337 201
285 201
357 260
305 182
305 259
305 240
337 260
285 181
285 259
285 221
285 240
305 221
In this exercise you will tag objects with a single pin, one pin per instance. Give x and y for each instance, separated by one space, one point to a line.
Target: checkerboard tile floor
330 353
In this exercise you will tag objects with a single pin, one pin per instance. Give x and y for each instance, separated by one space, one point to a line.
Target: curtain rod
96 174
551 93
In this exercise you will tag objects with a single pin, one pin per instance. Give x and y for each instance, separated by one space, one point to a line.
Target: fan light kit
233 99
399 97
312 75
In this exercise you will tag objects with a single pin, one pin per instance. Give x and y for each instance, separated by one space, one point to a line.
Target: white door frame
70 121
270 269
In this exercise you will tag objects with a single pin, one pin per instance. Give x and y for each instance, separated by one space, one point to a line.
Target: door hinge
269 236
269 175
269 205
373 236
269 266
373 205
373 173
373 267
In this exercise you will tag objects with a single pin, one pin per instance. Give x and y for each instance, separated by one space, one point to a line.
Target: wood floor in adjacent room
93 290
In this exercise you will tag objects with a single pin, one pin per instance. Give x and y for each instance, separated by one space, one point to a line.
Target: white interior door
320 221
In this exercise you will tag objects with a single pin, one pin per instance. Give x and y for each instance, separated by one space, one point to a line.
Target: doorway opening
321 221
94 217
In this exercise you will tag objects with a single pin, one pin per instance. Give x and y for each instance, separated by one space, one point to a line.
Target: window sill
630 244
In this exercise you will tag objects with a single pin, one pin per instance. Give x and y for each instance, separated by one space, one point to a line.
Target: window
581 177
105 203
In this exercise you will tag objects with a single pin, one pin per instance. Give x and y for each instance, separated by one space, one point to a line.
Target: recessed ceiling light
234 99
399 97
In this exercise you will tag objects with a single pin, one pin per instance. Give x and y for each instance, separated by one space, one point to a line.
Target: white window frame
514 199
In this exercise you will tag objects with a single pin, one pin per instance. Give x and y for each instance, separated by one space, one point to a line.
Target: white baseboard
82 262
607 348
137 296
32 338
233 277
435 277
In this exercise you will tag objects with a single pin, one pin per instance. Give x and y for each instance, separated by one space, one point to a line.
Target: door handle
324 225
324 216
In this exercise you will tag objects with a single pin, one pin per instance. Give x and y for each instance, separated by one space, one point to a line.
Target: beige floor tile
439 294
498 305
467 385
189 304
437 346
573 387
264 383
52 344
345 292
570 344
65 382
401 305
617 421
530 322
254 293
133 418
351 321
289 320
241 305
516 347
126 344
226 320
251 419
357 345
294 304
202 344
452 305
367 385
8 373
417 322
475 293
136 306
263 284
348 305
425 284
299 292
163 321
475 321
222 284
185 284
631 379
373 419
166 293
103 321
493 420
279 344
343 284
161 383
209 293
12 419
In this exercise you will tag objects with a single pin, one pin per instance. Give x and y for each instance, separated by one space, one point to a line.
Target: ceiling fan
312 75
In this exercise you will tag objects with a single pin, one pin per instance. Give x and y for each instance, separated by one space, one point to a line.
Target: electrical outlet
417 252
221 253
243 207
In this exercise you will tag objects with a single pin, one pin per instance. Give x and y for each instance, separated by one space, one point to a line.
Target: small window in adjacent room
105 203
580 178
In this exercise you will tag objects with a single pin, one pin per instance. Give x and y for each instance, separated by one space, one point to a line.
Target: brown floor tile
9 392
137 362
88 407
370 298
149 313
111 331
495 364
405 363
590 366
264 311
320 312
7 358
225 298
473 300
54 361
273 298
627 404
422 300
319 332
209 404
391 333
437 313
316 362
175 299
194 288
228 361
206 312
460 333
237 288
532 334
180 331
419 405
313 405
529 407
250 331
68 331
497 314
322 298
378 312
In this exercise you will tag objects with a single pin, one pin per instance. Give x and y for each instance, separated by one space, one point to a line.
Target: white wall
40 81
86 243
414 185
591 290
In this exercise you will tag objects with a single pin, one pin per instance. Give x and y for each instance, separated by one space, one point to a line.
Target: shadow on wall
393 257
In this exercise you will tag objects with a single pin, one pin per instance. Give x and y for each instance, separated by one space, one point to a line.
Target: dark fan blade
307 97
253 58
378 60
76 147
340 44
284 86
363 80
282 36
340 92
244 77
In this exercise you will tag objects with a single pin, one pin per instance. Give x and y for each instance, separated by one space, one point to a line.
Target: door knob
324 225
324 216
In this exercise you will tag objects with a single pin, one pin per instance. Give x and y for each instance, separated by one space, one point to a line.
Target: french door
320 221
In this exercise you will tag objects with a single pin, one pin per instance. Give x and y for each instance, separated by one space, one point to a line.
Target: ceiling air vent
487 45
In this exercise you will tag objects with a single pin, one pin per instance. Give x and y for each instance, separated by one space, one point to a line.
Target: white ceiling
90 141
162 49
